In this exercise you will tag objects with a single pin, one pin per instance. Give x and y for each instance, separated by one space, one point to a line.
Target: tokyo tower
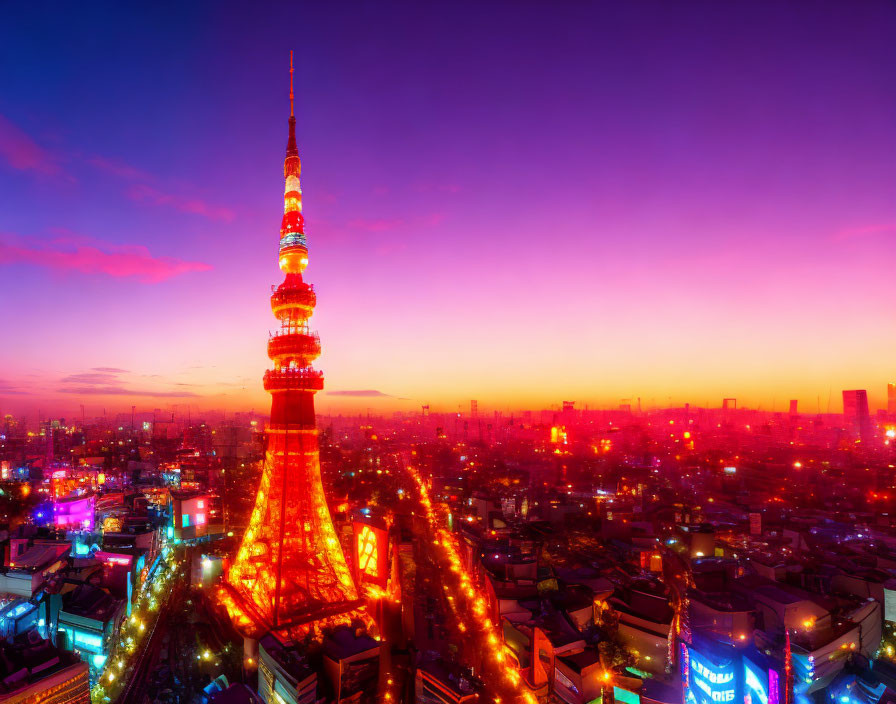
290 573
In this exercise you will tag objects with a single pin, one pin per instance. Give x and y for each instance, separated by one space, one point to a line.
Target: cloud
89 378
880 228
364 393
361 393
429 186
375 225
120 391
386 224
7 388
23 153
118 168
142 193
117 262
104 381
432 220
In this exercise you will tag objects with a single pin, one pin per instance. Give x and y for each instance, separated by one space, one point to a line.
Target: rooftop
89 601
27 659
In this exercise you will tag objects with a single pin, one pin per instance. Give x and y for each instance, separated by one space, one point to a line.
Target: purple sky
520 202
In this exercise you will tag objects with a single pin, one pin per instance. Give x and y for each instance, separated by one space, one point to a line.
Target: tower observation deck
290 574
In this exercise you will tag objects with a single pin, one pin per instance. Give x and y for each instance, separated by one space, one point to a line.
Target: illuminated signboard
710 682
111 558
75 513
756 683
773 687
367 552
371 553
626 696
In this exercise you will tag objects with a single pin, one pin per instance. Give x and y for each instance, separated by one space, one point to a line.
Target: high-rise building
856 414
891 399
474 408
290 575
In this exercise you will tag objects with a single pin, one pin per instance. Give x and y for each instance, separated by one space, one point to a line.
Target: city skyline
740 247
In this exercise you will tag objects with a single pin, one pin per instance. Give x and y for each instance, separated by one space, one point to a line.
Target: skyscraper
891 399
856 414
290 574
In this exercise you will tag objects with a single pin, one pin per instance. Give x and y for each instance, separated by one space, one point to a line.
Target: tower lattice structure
290 572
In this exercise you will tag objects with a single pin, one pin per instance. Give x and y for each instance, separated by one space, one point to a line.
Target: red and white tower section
290 573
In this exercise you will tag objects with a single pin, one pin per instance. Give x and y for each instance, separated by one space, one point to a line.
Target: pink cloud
117 262
117 168
375 224
195 206
386 224
105 381
432 220
881 228
121 391
429 186
23 153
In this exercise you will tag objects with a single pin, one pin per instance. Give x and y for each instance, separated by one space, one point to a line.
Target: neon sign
113 559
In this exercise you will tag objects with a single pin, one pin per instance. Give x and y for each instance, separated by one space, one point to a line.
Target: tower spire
291 148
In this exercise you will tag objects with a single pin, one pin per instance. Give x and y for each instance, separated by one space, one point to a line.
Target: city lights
609 413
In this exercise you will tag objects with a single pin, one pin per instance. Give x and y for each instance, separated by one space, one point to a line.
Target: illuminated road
189 634
135 692
479 642
131 672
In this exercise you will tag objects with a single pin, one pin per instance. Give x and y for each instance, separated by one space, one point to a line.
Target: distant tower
891 400
290 574
793 406
50 453
474 408
856 414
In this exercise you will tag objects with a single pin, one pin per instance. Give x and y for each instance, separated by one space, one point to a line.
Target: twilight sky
517 202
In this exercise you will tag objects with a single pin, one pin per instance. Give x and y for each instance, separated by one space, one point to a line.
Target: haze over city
677 204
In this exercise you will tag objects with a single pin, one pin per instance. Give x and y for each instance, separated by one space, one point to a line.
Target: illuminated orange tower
290 573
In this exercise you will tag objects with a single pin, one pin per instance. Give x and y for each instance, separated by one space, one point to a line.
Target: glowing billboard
711 680
371 553
756 683
76 513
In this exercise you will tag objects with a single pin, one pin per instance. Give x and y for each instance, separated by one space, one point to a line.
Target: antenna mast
292 112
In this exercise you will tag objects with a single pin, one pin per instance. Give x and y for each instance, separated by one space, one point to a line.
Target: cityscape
583 394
